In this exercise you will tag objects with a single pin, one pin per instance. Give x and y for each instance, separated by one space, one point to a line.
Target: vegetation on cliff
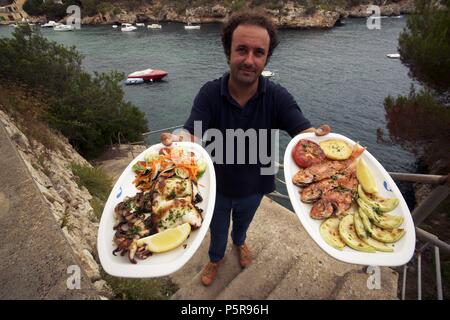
421 121
87 109
56 9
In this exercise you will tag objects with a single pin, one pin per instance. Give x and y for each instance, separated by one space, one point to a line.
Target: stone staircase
287 265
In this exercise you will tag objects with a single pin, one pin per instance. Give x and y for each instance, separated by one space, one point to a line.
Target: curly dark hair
249 17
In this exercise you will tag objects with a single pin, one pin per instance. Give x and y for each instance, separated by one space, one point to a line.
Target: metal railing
419 214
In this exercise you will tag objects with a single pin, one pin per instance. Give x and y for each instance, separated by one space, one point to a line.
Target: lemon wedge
365 177
167 240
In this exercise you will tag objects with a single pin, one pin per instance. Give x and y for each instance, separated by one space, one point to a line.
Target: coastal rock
392 9
297 18
219 11
288 15
90 266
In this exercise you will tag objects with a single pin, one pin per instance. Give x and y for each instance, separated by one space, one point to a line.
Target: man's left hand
323 130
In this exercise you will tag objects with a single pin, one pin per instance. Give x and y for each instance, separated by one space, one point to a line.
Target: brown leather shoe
245 255
210 272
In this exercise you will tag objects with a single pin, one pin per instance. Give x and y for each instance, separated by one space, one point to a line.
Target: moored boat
147 75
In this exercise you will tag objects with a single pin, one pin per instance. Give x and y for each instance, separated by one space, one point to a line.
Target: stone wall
69 203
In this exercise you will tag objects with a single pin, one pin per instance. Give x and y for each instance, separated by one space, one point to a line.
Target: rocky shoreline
289 15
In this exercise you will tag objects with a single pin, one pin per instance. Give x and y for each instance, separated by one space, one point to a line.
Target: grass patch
98 183
97 205
27 108
141 289
95 179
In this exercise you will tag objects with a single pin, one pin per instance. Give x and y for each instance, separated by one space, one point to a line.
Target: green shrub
424 45
141 289
95 179
88 109
420 123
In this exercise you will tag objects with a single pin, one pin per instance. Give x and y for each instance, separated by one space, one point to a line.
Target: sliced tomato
306 153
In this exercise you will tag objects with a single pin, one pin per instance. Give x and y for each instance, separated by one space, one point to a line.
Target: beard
245 75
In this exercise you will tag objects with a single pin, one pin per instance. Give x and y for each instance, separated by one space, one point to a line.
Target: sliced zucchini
386 236
368 210
379 246
382 204
366 222
348 234
384 221
359 227
362 234
388 221
329 230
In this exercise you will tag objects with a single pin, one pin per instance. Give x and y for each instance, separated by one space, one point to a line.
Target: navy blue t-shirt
272 107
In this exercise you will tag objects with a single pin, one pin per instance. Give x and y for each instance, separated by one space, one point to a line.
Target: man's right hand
167 138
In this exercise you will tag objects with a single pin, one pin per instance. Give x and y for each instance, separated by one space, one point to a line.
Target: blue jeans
242 210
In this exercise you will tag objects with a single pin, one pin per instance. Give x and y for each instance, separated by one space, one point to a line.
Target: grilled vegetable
306 153
384 221
329 230
362 234
376 201
386 236
348 234
336 149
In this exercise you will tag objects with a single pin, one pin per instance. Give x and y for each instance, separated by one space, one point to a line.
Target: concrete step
188 278
314 276
262 276
269 224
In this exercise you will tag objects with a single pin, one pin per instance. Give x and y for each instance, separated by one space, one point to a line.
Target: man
242 100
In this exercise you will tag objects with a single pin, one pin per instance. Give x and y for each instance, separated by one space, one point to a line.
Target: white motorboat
127 27
49 24
154 26
140 24
114 26
63 27
189 26
393 55
134 81
267 73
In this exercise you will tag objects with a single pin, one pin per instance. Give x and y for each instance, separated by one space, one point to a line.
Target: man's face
248 56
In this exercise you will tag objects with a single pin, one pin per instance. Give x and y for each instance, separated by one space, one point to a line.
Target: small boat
134 81
114 26
393 55
267 73
63 27
146 75
154 26
127 27
49 24
140 24
189 26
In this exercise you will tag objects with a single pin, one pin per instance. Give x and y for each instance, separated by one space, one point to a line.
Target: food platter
403 250
158 264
